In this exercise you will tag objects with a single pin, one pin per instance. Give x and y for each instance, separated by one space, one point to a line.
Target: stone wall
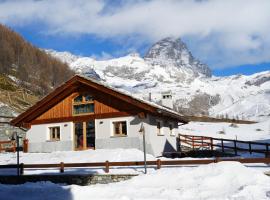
69 179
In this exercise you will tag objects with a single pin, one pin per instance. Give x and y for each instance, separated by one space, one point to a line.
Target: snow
98 155
87 156
224 180
246 97
247 132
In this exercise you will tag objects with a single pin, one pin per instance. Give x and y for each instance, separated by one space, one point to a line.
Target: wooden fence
196 142
9 146
155 163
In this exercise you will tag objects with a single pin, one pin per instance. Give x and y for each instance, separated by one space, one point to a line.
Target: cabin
84 113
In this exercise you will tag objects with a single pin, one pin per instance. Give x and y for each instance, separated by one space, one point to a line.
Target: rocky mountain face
174 52
169 65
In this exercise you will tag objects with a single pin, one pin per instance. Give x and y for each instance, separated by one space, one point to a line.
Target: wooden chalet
84 113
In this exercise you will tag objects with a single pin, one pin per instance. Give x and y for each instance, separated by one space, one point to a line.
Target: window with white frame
120 128
54 133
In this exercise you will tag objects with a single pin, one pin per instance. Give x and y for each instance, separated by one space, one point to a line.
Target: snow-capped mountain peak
169 65
173 51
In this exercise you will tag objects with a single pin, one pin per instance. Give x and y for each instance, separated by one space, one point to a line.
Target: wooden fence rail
9 145
210 142
156 163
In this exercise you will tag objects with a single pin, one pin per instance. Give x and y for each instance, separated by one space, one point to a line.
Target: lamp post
142 130
16 137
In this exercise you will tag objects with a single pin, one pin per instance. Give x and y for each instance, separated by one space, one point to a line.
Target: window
158 127
78 99
83 104
120 128
54 133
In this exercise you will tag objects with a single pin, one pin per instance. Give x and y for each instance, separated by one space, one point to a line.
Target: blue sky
230 36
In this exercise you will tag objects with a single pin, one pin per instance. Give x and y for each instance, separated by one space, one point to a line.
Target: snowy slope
246 132
169 65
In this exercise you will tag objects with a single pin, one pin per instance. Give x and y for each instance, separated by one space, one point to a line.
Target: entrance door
84 135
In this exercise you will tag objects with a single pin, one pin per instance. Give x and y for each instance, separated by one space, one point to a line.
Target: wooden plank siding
62 109
105 106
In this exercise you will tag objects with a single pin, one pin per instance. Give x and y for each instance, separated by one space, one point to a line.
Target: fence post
21 169
107 166
158 163
193 143
267 151
62 166
222 145
212 147
249 147
202 142
217 159
235 147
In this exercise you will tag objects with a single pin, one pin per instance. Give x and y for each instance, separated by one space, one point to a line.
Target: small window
158 127
120 128
55 133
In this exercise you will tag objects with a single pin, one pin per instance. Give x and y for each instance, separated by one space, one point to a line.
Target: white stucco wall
39 137
156 144
104 127
165 142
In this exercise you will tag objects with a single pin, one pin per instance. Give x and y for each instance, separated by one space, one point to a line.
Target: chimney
167 99
150 96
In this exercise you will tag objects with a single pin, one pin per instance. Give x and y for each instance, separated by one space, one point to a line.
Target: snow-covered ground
247 132
257 132
217 181
225 180
87 156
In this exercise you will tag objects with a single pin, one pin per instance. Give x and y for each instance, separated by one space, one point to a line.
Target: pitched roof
126 96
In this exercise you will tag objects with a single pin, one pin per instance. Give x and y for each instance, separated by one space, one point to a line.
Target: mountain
174 52
169 65
26 73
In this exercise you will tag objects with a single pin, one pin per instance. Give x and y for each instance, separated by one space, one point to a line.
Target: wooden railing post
21 169
211 140
158 163
235 147
107 166
62 167
217 159
249 147
13 144
193 143
222 145
202 141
